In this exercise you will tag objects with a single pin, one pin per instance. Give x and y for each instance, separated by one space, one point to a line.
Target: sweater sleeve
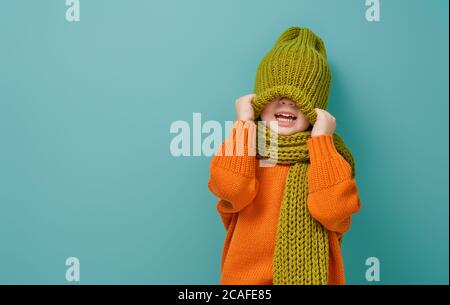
333 196
233 170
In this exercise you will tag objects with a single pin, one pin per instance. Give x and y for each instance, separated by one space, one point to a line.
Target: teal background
85 111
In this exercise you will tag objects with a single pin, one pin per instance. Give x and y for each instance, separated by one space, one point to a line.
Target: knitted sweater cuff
321 147
328 167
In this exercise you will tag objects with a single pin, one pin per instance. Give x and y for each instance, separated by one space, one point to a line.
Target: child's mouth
285 119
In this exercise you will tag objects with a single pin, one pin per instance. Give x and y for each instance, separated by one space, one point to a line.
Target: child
285 222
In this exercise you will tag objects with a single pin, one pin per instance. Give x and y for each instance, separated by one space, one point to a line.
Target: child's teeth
284 117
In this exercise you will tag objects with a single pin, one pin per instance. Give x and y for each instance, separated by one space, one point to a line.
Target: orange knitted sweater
250 199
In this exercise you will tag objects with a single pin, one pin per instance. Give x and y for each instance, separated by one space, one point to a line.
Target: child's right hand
244 108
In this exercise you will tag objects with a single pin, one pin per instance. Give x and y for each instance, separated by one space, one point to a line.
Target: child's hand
325 123
244 109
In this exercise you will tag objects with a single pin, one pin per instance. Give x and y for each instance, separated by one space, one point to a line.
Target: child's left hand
325 123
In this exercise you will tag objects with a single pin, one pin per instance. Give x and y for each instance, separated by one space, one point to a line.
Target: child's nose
286 102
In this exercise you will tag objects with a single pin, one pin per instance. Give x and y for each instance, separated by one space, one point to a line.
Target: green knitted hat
295 68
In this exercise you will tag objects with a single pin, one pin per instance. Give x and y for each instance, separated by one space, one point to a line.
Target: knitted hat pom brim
285 91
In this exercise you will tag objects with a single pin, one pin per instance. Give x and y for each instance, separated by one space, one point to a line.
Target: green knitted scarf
301 248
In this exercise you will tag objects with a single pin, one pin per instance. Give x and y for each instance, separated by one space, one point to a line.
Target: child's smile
288 117
285 118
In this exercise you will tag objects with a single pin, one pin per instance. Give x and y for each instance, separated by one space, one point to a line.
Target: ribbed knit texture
286 230
296 68
301 249
250 198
